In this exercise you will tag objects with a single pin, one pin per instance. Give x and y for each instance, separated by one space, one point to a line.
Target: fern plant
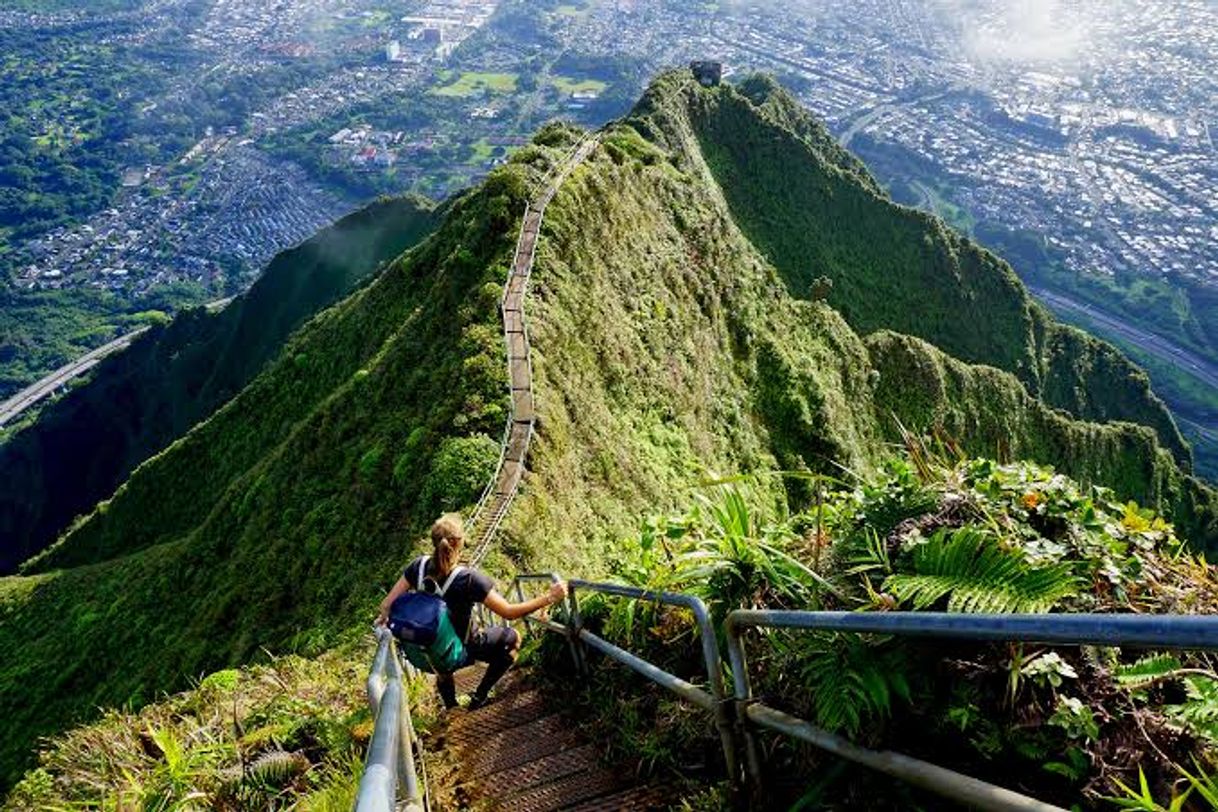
849 680
969 568
1198 713
1147 671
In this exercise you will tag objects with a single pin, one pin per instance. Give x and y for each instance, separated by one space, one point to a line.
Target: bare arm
399 589
514 611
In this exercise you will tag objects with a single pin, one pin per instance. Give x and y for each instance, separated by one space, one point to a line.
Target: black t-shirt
471 586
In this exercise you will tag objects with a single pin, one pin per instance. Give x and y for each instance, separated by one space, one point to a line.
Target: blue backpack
419 620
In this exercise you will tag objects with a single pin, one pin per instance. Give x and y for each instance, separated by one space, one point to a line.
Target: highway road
27 397
1186 361
16 405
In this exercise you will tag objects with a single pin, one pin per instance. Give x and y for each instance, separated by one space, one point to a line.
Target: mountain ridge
667 350
136 403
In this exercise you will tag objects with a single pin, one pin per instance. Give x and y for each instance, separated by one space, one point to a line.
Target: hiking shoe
477 701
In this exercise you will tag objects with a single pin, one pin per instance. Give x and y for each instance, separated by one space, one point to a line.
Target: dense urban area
1076 141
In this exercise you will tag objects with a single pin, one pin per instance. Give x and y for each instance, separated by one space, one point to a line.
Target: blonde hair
447 538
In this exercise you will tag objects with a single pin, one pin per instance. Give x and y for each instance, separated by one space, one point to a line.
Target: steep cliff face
815 212
136 403
669 348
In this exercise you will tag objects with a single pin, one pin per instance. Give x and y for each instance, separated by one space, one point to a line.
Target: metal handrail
1160 632
716 700
391 752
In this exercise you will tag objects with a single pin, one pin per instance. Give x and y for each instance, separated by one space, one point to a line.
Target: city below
1088 163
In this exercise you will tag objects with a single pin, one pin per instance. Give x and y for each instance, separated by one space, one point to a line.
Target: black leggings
497 647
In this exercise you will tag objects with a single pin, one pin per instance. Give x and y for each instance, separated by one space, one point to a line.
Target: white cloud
1024 31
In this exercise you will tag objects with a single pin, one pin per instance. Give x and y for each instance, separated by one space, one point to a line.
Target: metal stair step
563 793
501 714
517 780
467 679
634 799
520 745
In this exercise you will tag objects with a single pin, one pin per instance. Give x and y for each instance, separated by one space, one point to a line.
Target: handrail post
578 652
743 697
710 653
724 716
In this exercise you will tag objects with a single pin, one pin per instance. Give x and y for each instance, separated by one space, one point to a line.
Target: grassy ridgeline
667 349
138 402
276 522
814 212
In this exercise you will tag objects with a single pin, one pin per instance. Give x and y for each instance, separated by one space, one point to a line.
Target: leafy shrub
459 470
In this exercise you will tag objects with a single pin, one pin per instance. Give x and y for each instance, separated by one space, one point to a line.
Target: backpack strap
440 589
452 576
418 581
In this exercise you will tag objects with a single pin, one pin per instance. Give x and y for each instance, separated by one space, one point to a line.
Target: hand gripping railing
716 700
1149 631
391 753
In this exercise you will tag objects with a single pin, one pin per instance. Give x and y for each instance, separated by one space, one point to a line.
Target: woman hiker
461 588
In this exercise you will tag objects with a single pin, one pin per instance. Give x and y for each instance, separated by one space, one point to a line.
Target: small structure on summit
707 72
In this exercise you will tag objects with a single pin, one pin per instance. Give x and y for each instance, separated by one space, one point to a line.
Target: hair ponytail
448 539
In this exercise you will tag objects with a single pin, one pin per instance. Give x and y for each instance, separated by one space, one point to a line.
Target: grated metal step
635 799
516 780
520 745
501 714
565 792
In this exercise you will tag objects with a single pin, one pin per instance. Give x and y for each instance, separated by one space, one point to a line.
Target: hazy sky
1023 30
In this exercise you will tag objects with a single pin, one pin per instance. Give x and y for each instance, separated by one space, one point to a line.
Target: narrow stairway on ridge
501 490
520 753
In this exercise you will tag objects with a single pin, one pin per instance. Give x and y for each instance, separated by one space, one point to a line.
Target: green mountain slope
136 403
667 348
273 523
813 211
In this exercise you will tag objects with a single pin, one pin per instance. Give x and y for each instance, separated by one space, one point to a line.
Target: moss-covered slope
815 212
666 349
274 523
139 401
670 349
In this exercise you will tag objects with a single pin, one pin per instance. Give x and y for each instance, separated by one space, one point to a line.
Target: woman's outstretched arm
514 611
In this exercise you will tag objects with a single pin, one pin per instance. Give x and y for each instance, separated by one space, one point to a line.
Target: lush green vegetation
288 734
667 350
275 523
814 212
569 85
1182 310
43 330
69 126
1192 401
927 531
927 390
137 403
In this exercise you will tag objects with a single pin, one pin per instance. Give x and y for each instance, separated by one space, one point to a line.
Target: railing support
716 700
1146 631
568 632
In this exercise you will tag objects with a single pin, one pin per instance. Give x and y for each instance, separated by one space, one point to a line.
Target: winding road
15 406
1186 361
